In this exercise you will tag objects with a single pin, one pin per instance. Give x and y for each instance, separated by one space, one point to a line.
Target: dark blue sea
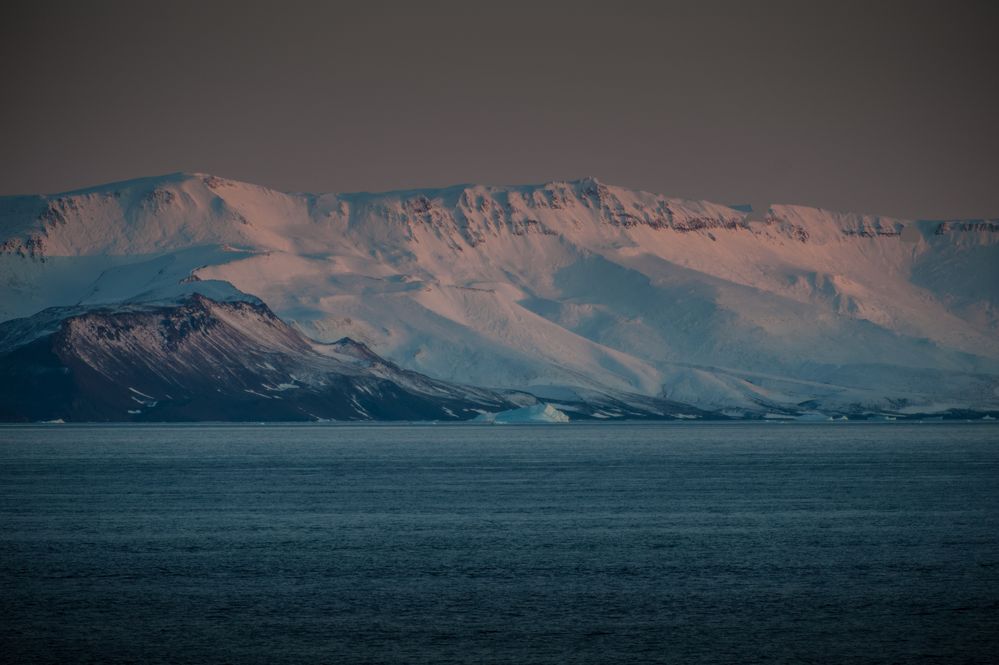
674 543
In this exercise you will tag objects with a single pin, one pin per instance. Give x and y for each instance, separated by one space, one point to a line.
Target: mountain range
195 297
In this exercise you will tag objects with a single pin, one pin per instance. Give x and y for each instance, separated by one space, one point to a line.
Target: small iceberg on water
536 413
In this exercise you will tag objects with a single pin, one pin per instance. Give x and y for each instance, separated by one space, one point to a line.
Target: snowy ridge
198 359
576 288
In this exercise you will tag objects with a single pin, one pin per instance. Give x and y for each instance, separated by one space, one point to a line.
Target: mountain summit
577 292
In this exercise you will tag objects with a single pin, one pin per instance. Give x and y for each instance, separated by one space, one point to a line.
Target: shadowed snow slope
198 359
568 288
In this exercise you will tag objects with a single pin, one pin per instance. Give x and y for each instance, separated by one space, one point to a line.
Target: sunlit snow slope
566 289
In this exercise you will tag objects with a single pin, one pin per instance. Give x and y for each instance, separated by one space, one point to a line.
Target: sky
879 107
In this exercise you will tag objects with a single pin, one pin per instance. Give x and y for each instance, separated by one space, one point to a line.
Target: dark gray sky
870 106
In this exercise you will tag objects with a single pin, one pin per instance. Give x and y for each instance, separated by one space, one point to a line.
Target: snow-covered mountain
202 359
577 292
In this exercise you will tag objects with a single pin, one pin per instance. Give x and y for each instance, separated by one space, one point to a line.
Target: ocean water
677 543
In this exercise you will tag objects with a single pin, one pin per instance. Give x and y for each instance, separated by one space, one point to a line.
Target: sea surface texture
676 543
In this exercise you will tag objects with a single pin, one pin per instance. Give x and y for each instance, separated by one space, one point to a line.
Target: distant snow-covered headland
144 299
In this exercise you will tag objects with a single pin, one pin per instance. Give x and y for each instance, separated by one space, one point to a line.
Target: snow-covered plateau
600 301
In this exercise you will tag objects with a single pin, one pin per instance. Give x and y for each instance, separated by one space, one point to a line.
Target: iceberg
536 413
